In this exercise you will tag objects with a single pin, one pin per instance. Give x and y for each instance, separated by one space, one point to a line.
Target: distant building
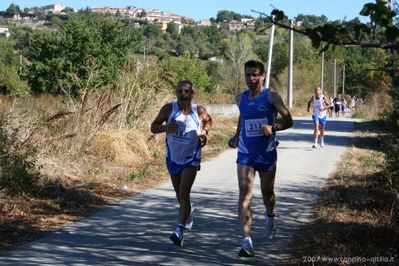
236 25
250 25
163 25
298 23
4 31
246 20
150 15
204 23
180 27
55 8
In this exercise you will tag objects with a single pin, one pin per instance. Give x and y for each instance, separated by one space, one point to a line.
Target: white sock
247 239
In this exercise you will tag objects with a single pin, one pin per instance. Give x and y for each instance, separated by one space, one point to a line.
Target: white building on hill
55 8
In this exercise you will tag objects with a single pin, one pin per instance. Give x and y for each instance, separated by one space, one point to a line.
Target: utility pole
343 80
144 60
335 77
269 59
322 73
290 64
20 64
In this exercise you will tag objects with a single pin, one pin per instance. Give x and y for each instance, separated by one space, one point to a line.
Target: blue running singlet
254 148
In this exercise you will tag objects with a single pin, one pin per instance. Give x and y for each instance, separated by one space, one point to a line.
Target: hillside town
34 17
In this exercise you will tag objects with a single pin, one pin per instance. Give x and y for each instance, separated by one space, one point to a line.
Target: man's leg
315 131
269 199
246 176
267 188
187 179
321 135
182 184
176 184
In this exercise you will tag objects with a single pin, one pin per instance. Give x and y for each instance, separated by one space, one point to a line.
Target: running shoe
177 236
246 248
322 143
190 219
270 227
314 146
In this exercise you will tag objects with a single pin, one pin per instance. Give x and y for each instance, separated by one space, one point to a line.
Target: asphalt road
136 231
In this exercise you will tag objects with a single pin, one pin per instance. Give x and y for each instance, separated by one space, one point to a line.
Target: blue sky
205 9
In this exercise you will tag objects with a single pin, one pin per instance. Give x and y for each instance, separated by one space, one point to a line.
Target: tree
142 14
380 33
83 41
13 10
68 10
21 37
186 46
225 15
236 52
311 21
10 81
186 67
118 13
172 28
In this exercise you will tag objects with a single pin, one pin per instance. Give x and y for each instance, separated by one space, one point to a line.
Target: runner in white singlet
186 126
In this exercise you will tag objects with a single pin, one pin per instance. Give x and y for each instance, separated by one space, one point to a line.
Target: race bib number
253 127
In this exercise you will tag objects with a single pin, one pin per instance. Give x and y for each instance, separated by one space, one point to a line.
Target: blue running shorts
176 169
317 119
260 162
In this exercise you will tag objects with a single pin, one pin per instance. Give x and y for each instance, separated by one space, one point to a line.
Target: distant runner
337 105
330 110
319 116
343 105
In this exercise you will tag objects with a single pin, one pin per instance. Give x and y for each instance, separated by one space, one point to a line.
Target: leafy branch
350 34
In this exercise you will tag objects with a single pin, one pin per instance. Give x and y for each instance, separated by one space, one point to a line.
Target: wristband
206 130
274 128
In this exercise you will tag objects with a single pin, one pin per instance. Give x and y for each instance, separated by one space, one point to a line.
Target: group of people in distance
339 105
187 126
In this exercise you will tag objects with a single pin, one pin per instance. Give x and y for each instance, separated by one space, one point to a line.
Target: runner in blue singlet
256 141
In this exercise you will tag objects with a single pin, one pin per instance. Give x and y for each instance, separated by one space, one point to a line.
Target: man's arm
286 119
309 103
327 103
158 126
205 119
233 142
206 124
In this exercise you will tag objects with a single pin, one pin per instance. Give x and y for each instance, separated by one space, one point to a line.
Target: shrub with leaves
17 163
185 67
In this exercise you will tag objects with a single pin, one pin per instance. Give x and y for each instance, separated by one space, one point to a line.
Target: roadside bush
10 82
185 67
17 163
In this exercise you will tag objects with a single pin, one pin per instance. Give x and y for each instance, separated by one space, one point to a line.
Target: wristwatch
274 128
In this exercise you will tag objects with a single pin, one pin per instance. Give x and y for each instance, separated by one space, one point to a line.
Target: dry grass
215 98
380 103
123 147
353 216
